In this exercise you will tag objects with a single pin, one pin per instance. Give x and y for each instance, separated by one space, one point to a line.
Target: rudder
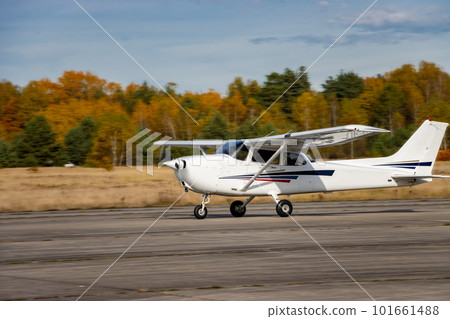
420 150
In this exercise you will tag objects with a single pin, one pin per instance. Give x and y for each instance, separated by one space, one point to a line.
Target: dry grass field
58 188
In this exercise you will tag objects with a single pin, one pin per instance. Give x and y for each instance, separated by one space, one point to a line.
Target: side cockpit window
295 159
291 159
242 153
262 156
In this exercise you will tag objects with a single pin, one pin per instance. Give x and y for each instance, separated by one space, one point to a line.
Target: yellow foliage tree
432 81
110 143
234 110
407 79
303 111
352 112
142 114
311 111
66 115
34 99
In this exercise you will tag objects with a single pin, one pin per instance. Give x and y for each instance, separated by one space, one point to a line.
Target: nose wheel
200 211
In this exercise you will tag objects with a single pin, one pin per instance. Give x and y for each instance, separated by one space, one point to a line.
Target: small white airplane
278 165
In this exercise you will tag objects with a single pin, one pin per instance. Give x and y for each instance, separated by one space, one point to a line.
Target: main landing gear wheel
237 208
199 212
284 208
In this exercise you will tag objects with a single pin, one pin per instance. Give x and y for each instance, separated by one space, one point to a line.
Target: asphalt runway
395 250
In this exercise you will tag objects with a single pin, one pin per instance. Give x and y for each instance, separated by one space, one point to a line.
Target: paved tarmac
395 250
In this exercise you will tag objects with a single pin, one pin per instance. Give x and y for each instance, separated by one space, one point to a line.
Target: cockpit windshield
237 149
311 159
231 147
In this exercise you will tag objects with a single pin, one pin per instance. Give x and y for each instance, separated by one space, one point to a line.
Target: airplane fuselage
273 166
223 175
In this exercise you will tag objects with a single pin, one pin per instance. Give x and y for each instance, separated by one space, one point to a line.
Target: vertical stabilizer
420 151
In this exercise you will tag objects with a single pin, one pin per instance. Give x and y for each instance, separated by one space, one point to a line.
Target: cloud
306 39
415 20
265 40
326 40
390 25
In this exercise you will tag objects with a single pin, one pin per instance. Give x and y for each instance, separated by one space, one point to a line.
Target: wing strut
262 169
414 177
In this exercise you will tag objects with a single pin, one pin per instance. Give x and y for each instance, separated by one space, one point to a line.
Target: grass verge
59 188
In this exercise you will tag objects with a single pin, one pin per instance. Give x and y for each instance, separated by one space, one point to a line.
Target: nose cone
176 164
172 164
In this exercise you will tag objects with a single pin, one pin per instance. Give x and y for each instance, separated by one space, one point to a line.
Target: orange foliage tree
401 98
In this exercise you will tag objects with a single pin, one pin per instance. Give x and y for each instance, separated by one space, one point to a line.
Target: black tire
284 208
236 209
198 213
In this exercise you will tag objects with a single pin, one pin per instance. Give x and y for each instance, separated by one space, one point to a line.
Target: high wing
320 138
294 141
192 143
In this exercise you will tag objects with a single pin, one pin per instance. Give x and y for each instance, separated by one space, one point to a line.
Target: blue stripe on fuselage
284 175
407 165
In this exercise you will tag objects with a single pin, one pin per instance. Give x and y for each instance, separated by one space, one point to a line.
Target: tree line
86 120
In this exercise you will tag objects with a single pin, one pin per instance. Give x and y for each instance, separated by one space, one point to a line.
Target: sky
205 44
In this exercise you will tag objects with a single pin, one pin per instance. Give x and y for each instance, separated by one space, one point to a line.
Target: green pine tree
276 84
5 154
36 144
247 130
217 128
346 85
79 141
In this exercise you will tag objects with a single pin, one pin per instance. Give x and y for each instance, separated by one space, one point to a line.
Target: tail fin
420 151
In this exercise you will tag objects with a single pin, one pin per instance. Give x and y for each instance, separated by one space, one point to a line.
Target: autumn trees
86 120
45 123
35 145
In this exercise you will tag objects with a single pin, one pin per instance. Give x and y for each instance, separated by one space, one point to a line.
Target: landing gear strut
200 211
